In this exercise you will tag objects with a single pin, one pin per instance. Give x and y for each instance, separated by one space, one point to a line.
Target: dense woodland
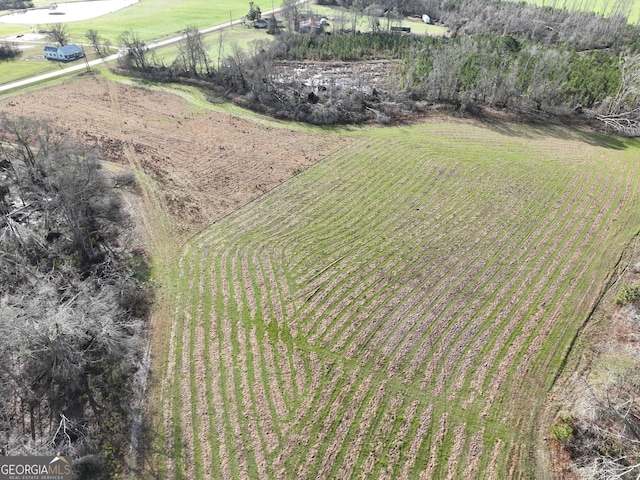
72 302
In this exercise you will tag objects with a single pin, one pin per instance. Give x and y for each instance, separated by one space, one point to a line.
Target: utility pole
86 60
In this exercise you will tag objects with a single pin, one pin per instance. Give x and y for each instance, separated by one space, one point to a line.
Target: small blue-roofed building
66 53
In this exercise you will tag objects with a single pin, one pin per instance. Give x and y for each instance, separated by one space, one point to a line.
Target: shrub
9 50
628 294
562 432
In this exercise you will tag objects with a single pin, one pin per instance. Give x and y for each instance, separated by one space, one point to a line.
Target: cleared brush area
398 310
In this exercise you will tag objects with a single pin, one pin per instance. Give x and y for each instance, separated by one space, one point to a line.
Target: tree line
501 54
72 303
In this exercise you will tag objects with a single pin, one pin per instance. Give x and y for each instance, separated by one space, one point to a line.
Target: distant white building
66 53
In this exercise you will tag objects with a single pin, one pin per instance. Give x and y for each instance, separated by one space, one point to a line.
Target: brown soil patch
206 163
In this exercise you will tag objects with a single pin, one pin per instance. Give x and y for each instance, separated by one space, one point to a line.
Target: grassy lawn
32 62
151 19
599 6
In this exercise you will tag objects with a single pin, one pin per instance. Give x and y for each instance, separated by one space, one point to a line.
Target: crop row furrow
315 396
369 411
219 441
518 301
469 272
309 425
342 248
318 195
227 319
470 460
185 457
386 274
459 442
538 253
436 446
537 249
201 406
170 410
599 211
346 420
428 285
450 395
322 436
419 437
265 412
389 179
393 278
279 373
561 265
249 367
380 435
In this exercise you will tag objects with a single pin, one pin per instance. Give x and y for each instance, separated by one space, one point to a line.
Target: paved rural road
83 65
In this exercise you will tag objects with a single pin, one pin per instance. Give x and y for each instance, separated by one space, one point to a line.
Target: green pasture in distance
599 6
150 19
9 30
155 19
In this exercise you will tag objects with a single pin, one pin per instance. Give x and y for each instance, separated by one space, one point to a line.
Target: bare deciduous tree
71 303
59 33
623 115
137 55
602 434
291 12
192 54
97 42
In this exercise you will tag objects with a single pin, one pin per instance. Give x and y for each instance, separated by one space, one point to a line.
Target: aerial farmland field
348 302
400 309
355 303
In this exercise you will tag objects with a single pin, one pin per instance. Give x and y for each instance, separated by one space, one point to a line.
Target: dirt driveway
207 163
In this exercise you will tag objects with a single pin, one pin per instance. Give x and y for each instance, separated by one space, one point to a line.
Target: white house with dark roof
65 53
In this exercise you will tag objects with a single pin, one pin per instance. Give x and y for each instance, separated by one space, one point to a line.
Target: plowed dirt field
207 163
